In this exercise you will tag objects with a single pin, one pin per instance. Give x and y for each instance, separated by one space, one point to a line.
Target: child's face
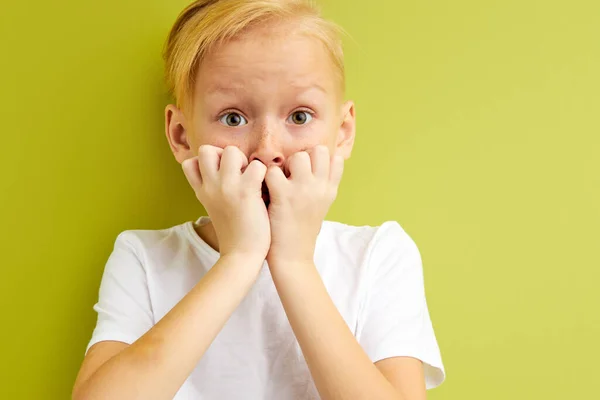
271 93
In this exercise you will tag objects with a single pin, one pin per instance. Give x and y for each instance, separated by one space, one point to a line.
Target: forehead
268 55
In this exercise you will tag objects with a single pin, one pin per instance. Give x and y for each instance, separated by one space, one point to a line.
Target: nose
267 148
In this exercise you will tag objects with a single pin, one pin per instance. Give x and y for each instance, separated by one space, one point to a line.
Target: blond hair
205 24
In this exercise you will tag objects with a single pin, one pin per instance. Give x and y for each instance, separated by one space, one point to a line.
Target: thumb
255 172
275 180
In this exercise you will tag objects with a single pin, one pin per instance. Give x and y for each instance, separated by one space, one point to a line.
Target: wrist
241 258
291 256
290 263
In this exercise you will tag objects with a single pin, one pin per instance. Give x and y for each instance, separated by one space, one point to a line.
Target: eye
301 117
233 119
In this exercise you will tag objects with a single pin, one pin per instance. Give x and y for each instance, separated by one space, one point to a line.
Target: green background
477 130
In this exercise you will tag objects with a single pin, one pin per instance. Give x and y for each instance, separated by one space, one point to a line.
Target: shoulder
388 236
148 236
392 238
150 243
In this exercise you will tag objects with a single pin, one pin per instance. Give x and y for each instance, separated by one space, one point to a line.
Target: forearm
158 363
338 364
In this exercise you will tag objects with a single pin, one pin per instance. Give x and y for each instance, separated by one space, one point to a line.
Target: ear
178 134
346 130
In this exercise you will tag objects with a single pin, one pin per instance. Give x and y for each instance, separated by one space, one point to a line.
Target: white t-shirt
374 276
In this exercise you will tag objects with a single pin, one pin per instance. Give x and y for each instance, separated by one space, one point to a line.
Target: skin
267 111
269 90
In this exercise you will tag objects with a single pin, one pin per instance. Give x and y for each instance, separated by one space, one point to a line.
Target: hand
299 204
230 190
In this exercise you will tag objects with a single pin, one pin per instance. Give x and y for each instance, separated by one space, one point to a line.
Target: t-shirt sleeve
123 307
394 319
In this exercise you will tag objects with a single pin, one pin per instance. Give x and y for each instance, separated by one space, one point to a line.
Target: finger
208 160
300 167
320 161
337 169
276 181
191 170
233 162
255 172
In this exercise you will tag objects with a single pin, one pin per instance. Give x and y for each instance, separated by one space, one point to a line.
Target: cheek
308 142
325 133
220 139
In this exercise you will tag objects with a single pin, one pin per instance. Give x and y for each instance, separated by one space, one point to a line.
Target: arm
338 364
157 364
341 366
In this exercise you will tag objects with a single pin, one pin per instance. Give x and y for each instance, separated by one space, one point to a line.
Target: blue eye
233 119
301 117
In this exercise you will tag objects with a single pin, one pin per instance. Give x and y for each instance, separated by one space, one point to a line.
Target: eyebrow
216 88
309 86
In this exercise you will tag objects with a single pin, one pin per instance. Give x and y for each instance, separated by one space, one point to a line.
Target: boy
262 298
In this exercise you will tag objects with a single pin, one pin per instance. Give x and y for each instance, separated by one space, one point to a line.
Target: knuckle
299 156
258 167
204 150
321 149
231 149
233 153
262 168
271 173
